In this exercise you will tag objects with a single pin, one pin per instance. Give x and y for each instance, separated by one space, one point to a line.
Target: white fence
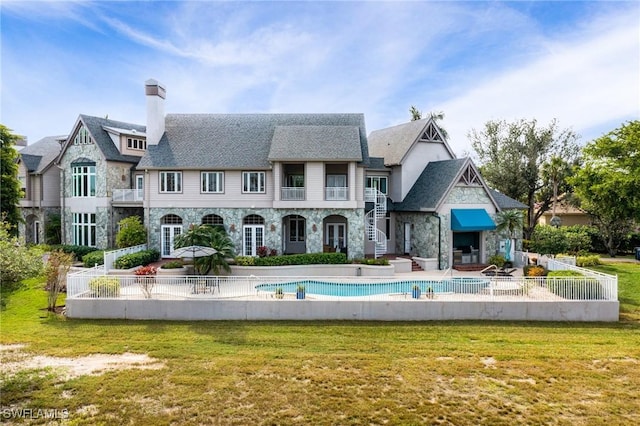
110 257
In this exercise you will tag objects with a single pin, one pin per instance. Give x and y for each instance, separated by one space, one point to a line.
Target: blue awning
466 220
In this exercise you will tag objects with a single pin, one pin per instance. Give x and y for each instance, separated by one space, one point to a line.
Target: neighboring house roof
393 143
507 203
96 127
320 143
431 186
377 163
39 156
244 141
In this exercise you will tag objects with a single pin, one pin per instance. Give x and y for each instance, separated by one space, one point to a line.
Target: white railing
126 195
336 288
110 257
336 193
292 194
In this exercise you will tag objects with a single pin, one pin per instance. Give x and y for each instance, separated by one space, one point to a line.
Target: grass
462 373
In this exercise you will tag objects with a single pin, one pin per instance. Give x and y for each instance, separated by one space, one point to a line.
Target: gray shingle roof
320 143
431 186
506 202
103 140
376 163
243 141
393 143
38 156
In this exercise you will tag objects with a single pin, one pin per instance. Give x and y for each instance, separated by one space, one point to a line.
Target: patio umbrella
194 251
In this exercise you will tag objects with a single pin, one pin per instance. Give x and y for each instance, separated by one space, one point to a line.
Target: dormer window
139 144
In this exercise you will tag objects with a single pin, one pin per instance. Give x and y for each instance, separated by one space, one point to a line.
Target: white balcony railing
336 193
127 195
292 194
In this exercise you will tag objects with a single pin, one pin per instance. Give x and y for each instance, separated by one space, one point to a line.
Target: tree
555 171
132 232
208 236
510 221
56 271
415 113
10 189
512 155
608 181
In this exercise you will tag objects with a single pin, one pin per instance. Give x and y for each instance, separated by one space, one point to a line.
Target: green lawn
462 373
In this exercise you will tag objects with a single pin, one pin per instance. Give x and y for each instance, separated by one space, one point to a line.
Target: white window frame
256 235
84 229
336 226
137 144
261 181
375 182
83 178
164 182
206 182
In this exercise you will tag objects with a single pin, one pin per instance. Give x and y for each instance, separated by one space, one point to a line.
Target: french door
253 238
336 235
169 232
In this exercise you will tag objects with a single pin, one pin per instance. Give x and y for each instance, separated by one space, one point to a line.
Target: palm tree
509 220
556 170
208 236
415 113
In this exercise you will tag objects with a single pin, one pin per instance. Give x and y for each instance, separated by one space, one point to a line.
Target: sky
577 62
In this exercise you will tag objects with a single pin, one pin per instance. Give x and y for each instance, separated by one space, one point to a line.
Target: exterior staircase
415 267
379 211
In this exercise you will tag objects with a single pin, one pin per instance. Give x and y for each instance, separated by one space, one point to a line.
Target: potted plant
279 293
146 278
300 292
415 291
430 293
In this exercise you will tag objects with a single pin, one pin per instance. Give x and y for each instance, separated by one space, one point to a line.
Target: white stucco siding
416 160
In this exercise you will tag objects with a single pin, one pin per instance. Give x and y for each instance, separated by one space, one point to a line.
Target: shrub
376 262
17 261
498 260
94 258
262 251
104 286
132 232
534 271
140 258
245 261
77 251
174 264
565 284
302 259
591 260
552 274
146 270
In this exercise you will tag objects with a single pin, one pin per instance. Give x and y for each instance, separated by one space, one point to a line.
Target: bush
78 251
294 259
565 284
569 239
104 286
94 258
498 260
376 262
552 274
534 271
174 264
17 261
132 232
140 258
591 260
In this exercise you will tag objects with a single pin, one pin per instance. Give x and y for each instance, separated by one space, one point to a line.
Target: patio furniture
502 272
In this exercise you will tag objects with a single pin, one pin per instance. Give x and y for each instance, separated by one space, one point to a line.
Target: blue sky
578 62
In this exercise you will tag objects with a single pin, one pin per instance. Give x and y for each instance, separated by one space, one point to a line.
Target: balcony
127 196
336 193
292 194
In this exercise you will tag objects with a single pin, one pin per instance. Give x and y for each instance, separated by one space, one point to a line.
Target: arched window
213 220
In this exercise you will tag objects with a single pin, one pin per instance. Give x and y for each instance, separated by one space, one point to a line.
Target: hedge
78 251
294 259
140 258
94 258
575 288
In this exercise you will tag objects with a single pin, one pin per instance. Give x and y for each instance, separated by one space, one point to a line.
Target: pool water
327 288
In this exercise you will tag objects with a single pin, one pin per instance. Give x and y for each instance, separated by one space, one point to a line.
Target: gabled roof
377 163
505 202
96 127
244 141
320 143
432 185
393 143
39 156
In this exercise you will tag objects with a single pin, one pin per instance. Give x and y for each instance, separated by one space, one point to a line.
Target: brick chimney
156 94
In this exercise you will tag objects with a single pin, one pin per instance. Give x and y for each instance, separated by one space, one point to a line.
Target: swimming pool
465 285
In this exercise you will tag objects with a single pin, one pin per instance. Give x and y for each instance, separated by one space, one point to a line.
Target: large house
295 183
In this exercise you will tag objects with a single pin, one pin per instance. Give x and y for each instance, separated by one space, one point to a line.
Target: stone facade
273 219
32 214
